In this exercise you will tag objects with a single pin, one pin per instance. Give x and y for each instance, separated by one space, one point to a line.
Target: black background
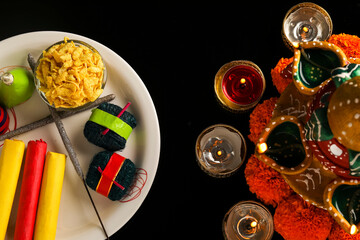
176 47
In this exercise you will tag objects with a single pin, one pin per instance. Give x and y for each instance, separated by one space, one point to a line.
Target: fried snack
70 75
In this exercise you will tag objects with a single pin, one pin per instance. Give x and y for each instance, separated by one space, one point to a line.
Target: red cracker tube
30 189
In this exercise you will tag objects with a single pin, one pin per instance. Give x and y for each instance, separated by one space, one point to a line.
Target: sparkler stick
49 119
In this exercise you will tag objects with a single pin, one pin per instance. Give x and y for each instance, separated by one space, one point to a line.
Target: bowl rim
38 83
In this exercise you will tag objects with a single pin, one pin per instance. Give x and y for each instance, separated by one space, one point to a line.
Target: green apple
16 86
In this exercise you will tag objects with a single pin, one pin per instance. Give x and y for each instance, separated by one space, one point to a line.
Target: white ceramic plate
77 219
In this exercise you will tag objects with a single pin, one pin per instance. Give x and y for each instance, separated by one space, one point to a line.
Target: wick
305 29
121 113
117 184
242 83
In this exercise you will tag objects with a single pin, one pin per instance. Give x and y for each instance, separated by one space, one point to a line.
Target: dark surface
176 48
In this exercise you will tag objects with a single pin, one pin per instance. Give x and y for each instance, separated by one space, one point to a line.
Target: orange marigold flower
260 117
265 182
349 44
296 219
337 233
282 74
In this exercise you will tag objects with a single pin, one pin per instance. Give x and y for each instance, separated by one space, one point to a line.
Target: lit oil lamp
248 220
220 150
306 22
239 85
342 199
282 146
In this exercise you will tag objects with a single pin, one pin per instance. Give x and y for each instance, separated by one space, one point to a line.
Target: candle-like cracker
10 164
30 189
50 195
49 119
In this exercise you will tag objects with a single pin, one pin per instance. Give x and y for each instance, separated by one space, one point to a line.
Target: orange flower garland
280 75
296 219
260 117
337 233
349 44
265 182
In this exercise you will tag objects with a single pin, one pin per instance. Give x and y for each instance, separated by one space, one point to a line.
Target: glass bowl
306 22
220 150
239 85
248 220
38 83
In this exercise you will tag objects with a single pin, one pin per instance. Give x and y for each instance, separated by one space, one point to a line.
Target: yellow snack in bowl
70 75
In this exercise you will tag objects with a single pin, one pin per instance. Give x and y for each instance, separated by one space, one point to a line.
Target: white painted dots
332 208
344 113
271 126
335 150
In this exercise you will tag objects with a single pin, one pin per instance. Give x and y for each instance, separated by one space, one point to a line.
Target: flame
243 80
262 147
253 224
353 229
305 29
296 44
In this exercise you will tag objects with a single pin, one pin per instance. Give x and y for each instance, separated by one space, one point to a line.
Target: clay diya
283 146
313 63
320 114
342 199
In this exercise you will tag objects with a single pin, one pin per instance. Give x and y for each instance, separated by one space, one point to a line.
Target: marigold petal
296 219
265 182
